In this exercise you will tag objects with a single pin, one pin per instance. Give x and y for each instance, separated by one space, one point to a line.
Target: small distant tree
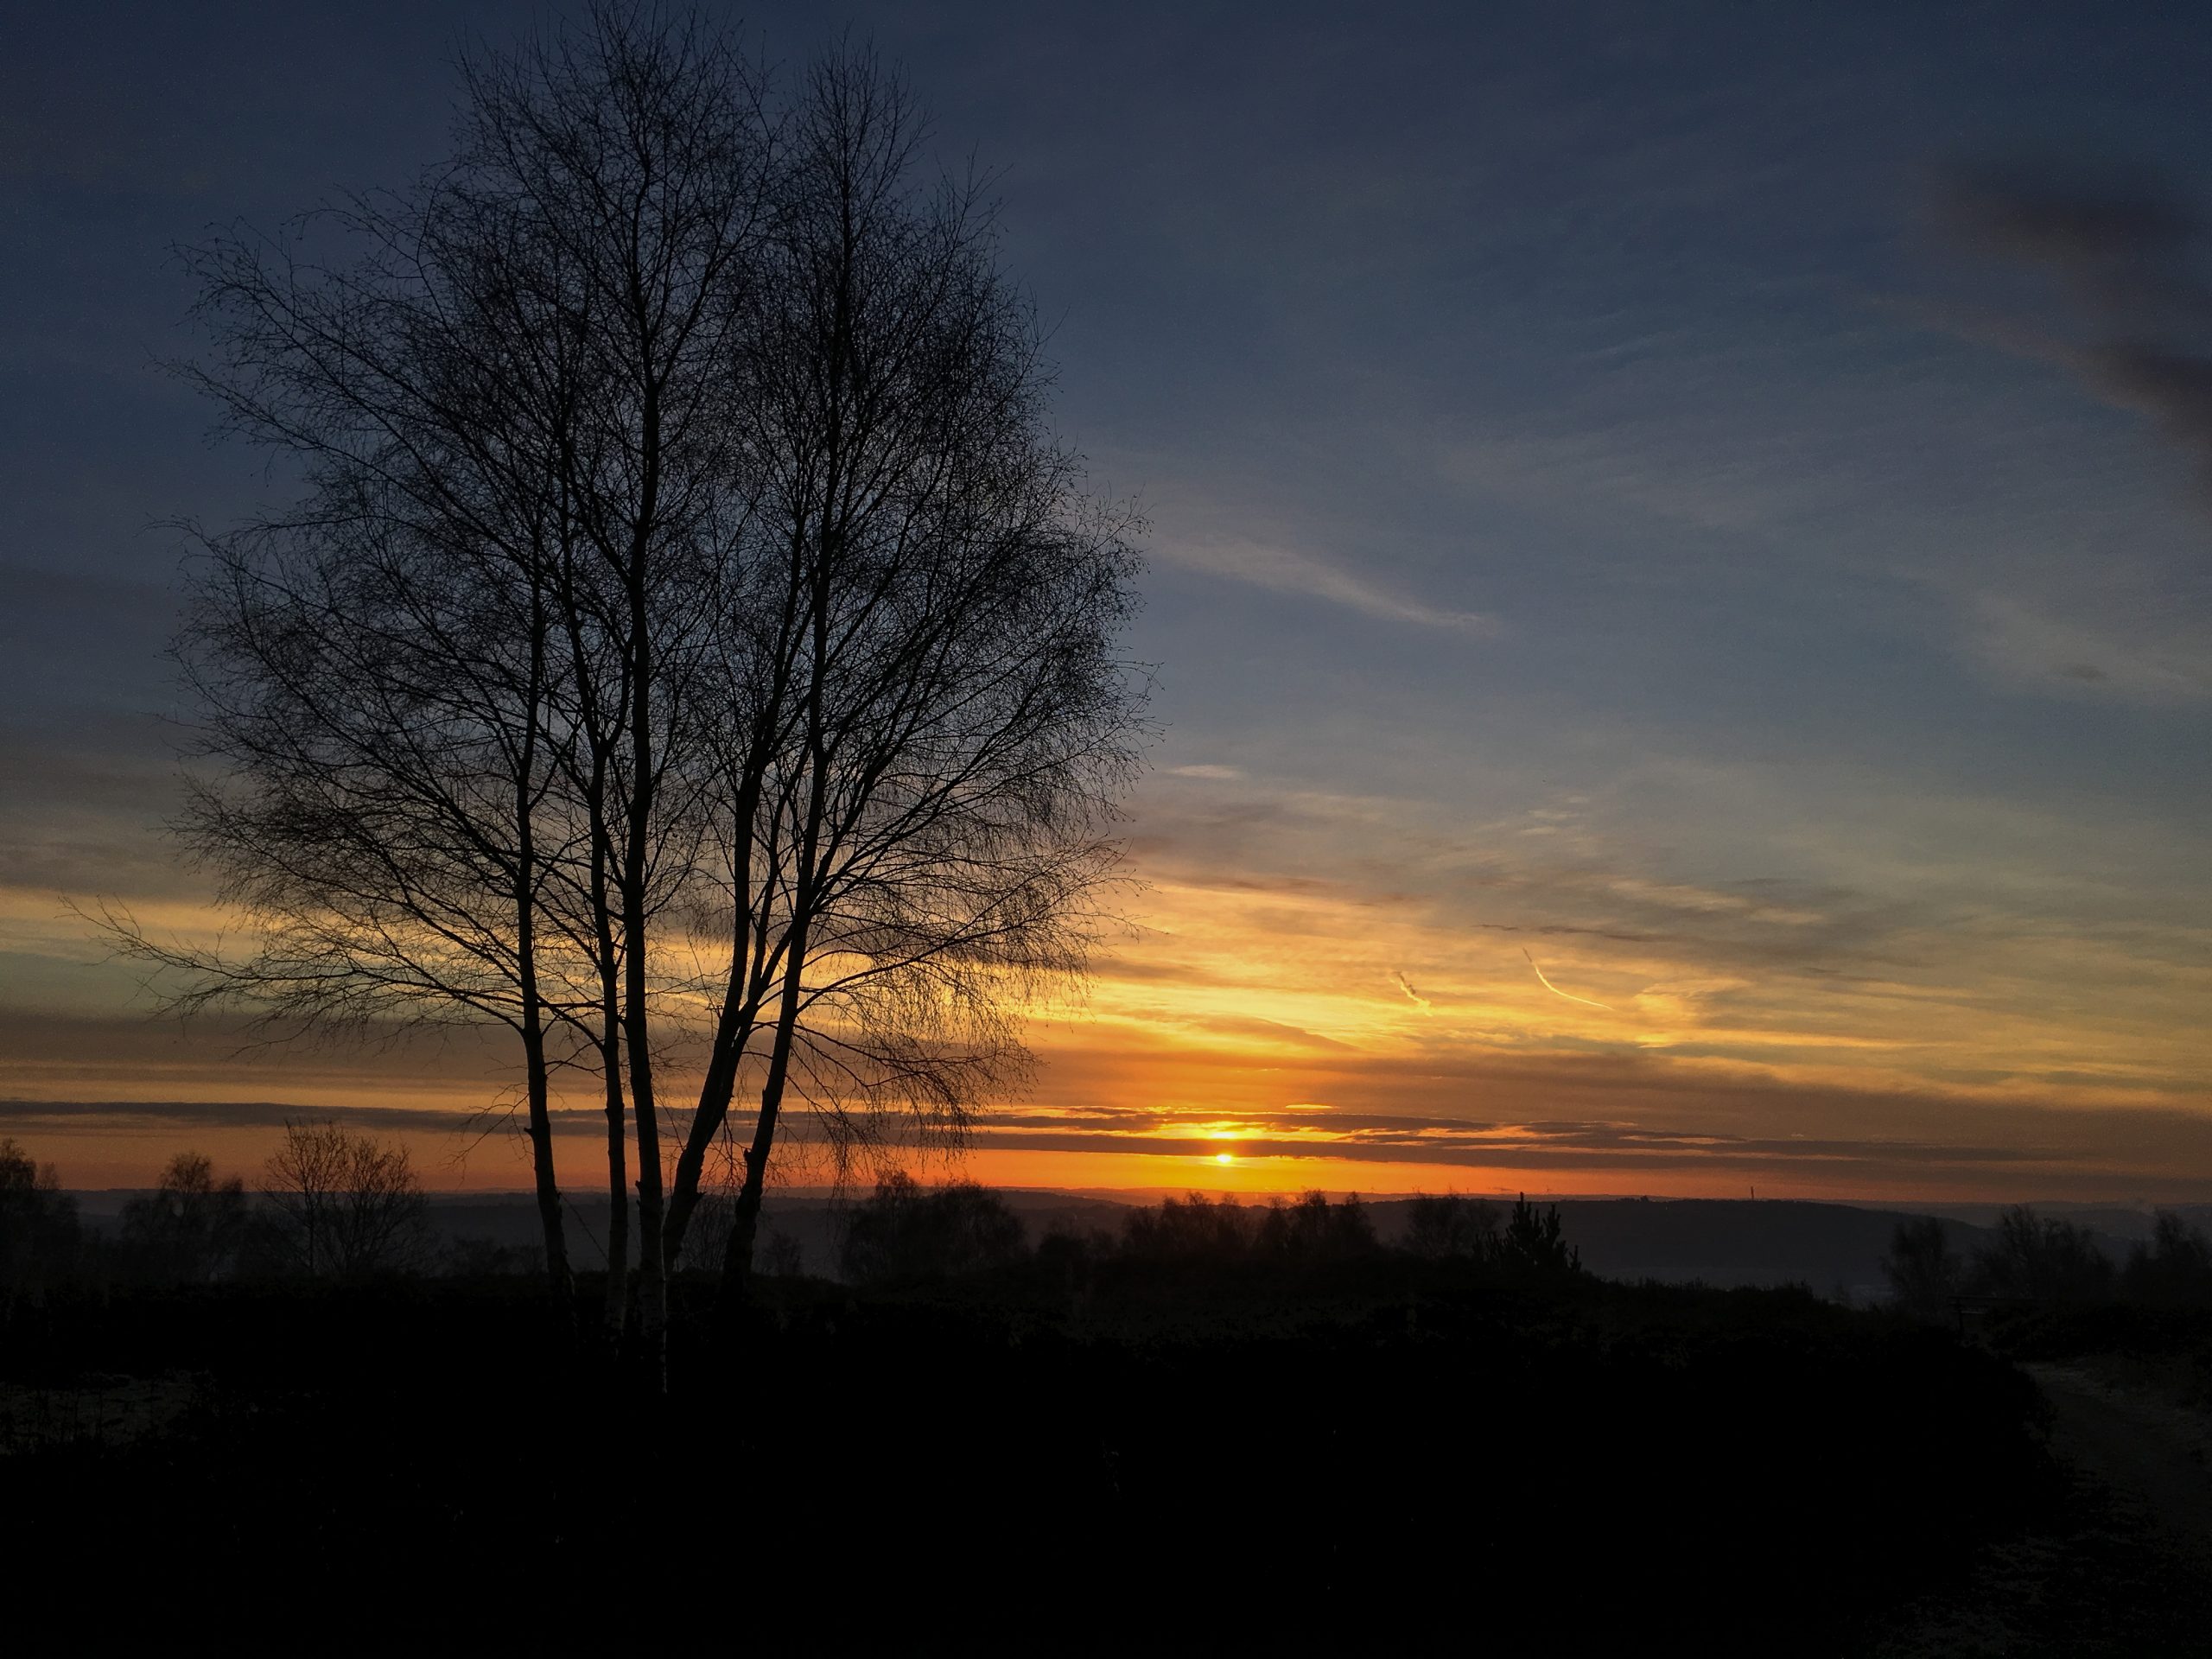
478 1256
340 1204
1531 1244
1924 1272
907 1232
1447 1226
2174 1267
782 1257
706 1240
189 1229
2042 1259
1313 1230
39 1234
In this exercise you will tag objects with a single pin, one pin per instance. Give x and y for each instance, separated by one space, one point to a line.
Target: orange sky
1345 997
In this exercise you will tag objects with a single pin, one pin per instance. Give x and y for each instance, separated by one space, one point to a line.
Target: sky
1678 579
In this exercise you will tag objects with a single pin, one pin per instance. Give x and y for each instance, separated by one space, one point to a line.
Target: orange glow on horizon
1316 1021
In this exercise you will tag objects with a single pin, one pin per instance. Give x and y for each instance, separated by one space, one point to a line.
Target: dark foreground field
1253 1459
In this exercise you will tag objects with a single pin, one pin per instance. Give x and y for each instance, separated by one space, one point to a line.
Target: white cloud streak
1287 571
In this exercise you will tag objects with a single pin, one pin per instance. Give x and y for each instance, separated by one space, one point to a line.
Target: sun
1224 1157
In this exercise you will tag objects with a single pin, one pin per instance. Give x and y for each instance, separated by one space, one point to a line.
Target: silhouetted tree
686 575
1191 1229
1450 1226
1313 1230
2042 1259
189 1229
1531 1244
39 1232
782 1257
1924 1272
907 1232
2174 1267
923 725
339 1205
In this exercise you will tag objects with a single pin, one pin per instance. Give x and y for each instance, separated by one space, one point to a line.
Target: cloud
2029 644
2124 247
2122 241
1287 571
1620 1112
25 1117
2130 323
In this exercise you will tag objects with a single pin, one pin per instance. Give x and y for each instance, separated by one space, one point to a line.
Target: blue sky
1613 496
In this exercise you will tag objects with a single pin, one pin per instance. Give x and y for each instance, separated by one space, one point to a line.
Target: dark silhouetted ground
1071 1454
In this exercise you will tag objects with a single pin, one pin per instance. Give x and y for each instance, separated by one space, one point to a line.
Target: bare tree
1450 1227
1924 1272
188 1229
339 1205
926 725
685 574
39 1230
434 694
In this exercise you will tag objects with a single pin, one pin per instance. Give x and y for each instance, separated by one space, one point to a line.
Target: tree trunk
560 1282
637 1015
737 1255
732 1032
617 1181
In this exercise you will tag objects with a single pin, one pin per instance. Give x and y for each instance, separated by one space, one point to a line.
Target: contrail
1569 995
1406 985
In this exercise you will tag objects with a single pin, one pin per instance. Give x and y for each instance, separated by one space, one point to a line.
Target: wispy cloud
2026 643
1288 570
2130 323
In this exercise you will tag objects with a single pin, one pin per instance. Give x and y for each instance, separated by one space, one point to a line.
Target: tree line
690 651
2038 1258
330 1204
907 1233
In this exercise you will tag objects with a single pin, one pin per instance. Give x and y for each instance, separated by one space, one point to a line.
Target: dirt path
2122 1569
2152 1454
